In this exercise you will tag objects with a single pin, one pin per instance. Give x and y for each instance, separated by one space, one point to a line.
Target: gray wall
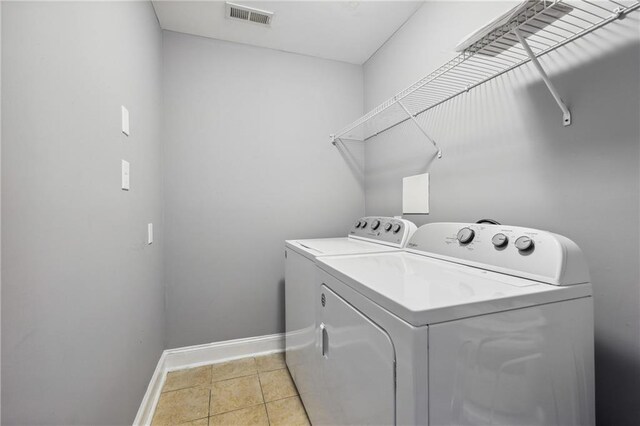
82 295
248 164
507 156
0 205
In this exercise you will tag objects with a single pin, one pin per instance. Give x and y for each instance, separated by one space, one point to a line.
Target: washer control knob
500 240
388 227
358 224
397 228
465 235
375 225
524 244
364 224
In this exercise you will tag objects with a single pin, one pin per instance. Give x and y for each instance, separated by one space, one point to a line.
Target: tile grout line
222 380
238 409
209 407
210 395
188 419
262 393
233 378
296 396
257 373
162 391
241 408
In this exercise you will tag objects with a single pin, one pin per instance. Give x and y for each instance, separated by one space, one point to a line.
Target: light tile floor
249 391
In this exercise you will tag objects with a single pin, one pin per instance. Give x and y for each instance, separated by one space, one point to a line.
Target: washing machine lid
423 290
369 234
313 248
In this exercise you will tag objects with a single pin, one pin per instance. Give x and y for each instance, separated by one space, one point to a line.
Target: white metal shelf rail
539 29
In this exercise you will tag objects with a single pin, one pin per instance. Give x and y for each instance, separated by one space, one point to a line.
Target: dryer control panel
522 252
380 229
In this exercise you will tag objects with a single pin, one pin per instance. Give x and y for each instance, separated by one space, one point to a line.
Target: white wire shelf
539 29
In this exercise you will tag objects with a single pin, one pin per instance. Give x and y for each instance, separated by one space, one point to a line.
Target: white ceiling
349 31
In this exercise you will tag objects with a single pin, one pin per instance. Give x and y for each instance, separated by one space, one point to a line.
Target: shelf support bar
566 114
334 139
424 132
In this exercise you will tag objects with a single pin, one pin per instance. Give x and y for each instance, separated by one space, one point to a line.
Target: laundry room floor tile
199 376
233 394
249 391
288 411
233 369
256 415
270 362
181 406
277 384
199 422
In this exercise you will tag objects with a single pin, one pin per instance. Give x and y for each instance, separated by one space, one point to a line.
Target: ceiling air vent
249 14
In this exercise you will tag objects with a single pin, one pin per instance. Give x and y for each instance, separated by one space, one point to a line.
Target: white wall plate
415 194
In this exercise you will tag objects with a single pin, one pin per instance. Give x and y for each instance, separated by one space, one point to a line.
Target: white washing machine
367 235
470 325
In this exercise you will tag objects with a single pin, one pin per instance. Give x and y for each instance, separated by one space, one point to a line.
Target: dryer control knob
397 228
375 225
465 235
358 223
388 227
500 240
364 224
524 244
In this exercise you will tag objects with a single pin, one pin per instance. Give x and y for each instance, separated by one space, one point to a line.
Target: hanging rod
544 26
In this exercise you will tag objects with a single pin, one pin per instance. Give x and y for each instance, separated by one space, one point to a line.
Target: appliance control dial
397 228
500 240
364 224
375 224
524 243
465 235
388 227
358 224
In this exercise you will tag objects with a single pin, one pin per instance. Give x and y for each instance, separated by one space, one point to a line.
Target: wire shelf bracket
566 114
334 139
540 27
424 132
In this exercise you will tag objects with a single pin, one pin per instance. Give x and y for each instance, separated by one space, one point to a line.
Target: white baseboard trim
194 356
152 395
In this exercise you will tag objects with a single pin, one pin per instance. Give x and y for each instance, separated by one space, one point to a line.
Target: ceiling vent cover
248 14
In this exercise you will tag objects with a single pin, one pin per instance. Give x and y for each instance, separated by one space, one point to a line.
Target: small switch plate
125 121
125 175
415 194
149 233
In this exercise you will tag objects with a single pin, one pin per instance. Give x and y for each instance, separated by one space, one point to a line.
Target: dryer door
357 366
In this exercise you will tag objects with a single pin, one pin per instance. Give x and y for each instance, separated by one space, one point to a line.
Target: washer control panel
523 252
465 235
385 230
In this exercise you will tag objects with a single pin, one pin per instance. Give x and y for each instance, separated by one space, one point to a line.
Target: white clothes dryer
371 234
472 324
